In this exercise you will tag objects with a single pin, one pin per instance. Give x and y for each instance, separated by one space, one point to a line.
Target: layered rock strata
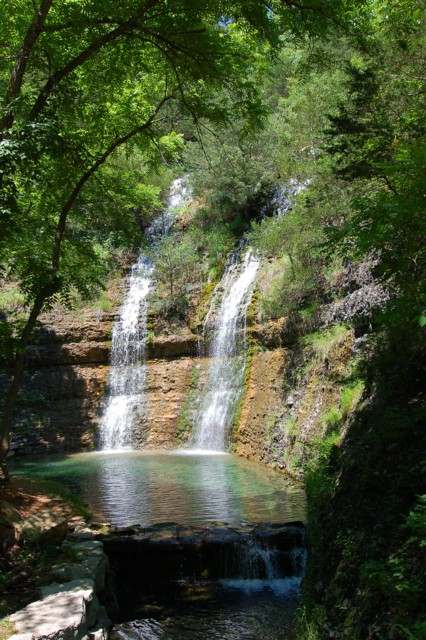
64 381
63 392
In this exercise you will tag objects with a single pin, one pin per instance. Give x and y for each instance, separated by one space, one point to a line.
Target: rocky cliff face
292 385
63 392
293 394
65 376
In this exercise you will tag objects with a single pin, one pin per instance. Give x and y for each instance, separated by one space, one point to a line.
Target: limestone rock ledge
64 381
263 401
291 396
70 609
64 387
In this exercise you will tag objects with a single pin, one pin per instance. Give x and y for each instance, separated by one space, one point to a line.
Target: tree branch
51 287
60 230
80 59
18 71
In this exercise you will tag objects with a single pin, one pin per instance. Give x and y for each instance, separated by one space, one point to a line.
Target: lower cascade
218 581
225 328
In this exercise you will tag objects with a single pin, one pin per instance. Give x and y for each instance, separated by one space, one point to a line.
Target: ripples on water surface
139 487
151 487
215 612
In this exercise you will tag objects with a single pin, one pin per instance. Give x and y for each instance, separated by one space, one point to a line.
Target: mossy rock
44 527
10 520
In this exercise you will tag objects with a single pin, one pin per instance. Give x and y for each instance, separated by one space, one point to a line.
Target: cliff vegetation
301 128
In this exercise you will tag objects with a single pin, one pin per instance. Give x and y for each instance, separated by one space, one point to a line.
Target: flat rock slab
45 526
283 535
91 563
60 615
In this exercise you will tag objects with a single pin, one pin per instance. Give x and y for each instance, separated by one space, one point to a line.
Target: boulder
92 563
9 523
45 526
64 613
91 555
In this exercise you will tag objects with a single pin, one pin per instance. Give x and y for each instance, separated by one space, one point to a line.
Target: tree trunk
49 289
18 370
21 62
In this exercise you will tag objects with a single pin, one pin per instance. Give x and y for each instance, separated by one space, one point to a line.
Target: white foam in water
227 352
282 587
199 452
298 560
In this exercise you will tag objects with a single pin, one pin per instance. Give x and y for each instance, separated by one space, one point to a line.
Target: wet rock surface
168 552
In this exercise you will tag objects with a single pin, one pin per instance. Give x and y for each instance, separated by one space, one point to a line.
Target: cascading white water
281 198
126 400
225 327
128 371
260 570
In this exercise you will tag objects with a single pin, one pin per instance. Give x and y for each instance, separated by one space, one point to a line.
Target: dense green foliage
100 101
347 123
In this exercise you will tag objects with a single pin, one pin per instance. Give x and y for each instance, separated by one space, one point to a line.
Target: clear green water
139 487
150 487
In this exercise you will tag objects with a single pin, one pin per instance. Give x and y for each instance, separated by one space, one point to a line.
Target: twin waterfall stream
224 326
255 600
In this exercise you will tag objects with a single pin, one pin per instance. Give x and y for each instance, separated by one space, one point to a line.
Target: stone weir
166 556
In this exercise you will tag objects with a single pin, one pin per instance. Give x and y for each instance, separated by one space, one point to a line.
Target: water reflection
225 613
149 487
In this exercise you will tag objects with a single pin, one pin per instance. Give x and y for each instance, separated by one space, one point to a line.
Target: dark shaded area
165 559
367 556
58 404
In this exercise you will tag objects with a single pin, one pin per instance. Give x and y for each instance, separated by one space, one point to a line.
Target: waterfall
128 370
261 569
126 404
281 197
225 328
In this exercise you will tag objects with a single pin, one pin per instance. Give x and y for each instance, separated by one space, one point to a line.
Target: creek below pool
219 612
